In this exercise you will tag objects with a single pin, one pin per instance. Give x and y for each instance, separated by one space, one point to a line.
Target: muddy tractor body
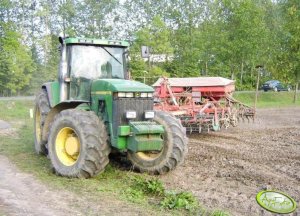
92 108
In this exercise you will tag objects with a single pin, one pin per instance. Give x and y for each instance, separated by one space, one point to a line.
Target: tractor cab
85 60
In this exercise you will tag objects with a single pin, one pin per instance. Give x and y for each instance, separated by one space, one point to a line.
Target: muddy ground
225 170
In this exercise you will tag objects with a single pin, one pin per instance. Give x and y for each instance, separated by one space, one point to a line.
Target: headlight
121 94
136 94
131 114
129 94
149 114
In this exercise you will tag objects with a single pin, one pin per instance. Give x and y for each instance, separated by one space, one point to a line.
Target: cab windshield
96 62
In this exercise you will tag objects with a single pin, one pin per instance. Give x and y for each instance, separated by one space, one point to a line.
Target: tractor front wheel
173 151
41 111
78 144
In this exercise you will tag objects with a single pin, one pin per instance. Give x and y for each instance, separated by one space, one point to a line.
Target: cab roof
92 41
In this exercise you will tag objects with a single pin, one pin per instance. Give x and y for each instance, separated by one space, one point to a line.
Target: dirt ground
21 194
225 170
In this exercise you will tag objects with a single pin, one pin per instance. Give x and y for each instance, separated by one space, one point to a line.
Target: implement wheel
172 153
41 110
78 144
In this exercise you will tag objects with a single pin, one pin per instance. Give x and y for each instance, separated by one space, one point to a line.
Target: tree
291 41
95 18
16 65
156 36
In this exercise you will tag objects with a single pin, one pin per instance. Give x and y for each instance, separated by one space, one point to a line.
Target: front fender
52 89
57 109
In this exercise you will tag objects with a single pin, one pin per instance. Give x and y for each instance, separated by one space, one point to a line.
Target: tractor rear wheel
172 153
41 111
78 144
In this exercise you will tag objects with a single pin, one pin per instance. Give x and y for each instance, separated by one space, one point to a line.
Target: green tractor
93 109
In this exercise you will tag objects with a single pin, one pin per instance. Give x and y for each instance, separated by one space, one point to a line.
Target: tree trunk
242 71
232 72
295 93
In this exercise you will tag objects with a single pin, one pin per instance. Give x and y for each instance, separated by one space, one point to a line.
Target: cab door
80 82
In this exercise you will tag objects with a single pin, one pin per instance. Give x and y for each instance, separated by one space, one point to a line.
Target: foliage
227 38
183 200
148 186
16 65
156 36
143 185
290 58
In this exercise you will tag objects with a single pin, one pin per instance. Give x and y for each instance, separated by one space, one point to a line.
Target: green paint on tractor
117 85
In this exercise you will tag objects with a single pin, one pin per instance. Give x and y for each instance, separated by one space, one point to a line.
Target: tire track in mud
226 169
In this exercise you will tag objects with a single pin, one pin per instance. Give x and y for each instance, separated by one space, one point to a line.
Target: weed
134 195
151 186
185 200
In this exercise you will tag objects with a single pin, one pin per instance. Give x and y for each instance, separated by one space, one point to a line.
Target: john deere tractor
93 108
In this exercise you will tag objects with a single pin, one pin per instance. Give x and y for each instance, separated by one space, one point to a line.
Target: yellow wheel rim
149 156
38 129
67 146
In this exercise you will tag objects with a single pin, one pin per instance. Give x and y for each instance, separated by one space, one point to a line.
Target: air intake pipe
63 71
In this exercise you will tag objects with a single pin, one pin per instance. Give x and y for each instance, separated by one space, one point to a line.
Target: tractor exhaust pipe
62 72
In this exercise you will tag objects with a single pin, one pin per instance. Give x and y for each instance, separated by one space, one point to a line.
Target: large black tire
91 140
41 111
174 150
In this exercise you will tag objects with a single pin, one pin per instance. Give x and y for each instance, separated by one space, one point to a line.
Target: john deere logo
275 201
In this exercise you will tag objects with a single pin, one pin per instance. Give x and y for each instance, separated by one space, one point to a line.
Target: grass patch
219 213
144 190
15 110
268 99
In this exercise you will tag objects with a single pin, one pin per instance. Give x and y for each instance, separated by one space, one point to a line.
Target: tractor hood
119 85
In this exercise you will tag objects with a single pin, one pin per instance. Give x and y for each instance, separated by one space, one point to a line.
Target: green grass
268 99
15 110
134 188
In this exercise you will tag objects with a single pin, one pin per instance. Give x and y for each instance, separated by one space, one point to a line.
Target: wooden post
295 94
256 92
258 67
